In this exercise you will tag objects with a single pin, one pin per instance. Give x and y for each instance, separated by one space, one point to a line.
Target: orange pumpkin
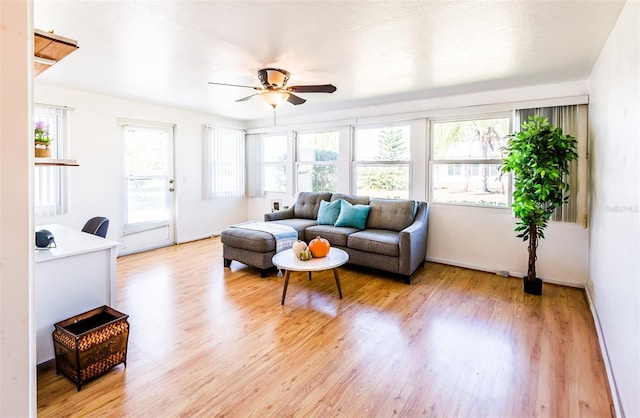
319 247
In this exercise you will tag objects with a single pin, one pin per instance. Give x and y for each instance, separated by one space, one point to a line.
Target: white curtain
224 154
255 185
573 121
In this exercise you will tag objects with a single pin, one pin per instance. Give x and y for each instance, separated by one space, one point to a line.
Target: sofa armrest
413 241
279 214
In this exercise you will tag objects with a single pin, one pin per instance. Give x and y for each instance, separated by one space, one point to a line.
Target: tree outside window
382 161
316 161
465 161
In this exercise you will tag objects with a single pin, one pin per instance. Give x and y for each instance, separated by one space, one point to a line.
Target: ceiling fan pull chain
274 116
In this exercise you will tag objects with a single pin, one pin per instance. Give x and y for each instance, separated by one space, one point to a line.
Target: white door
149 188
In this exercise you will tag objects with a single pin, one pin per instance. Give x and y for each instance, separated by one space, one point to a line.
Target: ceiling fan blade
235 85
320 88
244 99
296 100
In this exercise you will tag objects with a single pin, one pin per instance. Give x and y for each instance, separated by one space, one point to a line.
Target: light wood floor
209 341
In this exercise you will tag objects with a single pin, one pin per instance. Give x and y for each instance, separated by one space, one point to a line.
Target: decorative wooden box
90 344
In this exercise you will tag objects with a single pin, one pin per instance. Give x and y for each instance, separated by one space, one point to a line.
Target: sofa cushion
354 216
377 241
328 212
354 200
391 214
308 203
337 236
247 239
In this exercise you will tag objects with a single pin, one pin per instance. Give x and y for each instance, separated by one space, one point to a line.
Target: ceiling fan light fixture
277 77
274 97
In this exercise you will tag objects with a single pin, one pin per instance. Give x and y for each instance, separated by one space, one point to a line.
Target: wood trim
51 48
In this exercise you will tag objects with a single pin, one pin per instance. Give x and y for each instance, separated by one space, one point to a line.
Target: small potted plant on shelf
42 140
539 157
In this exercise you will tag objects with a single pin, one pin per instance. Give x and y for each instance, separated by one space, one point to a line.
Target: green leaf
539 157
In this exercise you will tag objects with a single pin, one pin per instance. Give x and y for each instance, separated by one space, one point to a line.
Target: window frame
432 161
286 163
297 161
129 227
53 176
355 163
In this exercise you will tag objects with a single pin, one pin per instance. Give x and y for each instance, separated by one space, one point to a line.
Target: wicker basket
42 150
90 344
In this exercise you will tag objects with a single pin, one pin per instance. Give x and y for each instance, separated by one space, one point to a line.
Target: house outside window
382 161
275 163
317 161
466 158
50 182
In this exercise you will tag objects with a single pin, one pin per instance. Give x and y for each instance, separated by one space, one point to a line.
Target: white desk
76 276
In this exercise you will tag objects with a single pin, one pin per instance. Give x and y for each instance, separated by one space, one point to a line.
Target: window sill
56 162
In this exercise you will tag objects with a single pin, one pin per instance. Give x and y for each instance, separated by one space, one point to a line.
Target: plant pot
532 287
42 150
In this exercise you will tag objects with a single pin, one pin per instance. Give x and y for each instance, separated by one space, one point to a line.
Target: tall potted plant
539 157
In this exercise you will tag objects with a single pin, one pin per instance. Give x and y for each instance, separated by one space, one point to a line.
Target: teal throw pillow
328 212
354 216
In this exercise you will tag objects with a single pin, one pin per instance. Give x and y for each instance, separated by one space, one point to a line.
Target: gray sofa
394 238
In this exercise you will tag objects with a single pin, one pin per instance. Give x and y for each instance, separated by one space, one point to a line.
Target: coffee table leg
335 274
286 283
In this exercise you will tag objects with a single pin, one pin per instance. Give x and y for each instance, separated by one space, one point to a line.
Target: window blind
225 163
50 182
573 121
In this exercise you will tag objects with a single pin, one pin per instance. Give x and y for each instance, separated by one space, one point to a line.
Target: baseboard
198 238
617 405
511 273
458 264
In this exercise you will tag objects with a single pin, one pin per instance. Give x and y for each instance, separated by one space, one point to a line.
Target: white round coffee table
288 261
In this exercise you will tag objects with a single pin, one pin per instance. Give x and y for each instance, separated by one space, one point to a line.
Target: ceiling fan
274 88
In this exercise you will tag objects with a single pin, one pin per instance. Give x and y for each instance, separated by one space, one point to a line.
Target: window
317 161
275 163
382 161
466 156
50 182
149 173
224 150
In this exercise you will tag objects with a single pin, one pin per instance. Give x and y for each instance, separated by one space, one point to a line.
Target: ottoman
253 248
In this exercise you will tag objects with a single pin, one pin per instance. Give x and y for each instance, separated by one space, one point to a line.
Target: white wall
471 237
615 206
484 239
96 187
17 330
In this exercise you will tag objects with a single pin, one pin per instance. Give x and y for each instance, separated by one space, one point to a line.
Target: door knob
171 189
171 181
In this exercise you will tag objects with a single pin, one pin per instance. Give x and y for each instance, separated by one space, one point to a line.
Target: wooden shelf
56 162
50 48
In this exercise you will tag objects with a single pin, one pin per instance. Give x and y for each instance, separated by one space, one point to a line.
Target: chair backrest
97 226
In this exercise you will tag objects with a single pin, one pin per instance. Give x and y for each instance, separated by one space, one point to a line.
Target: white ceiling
166 52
